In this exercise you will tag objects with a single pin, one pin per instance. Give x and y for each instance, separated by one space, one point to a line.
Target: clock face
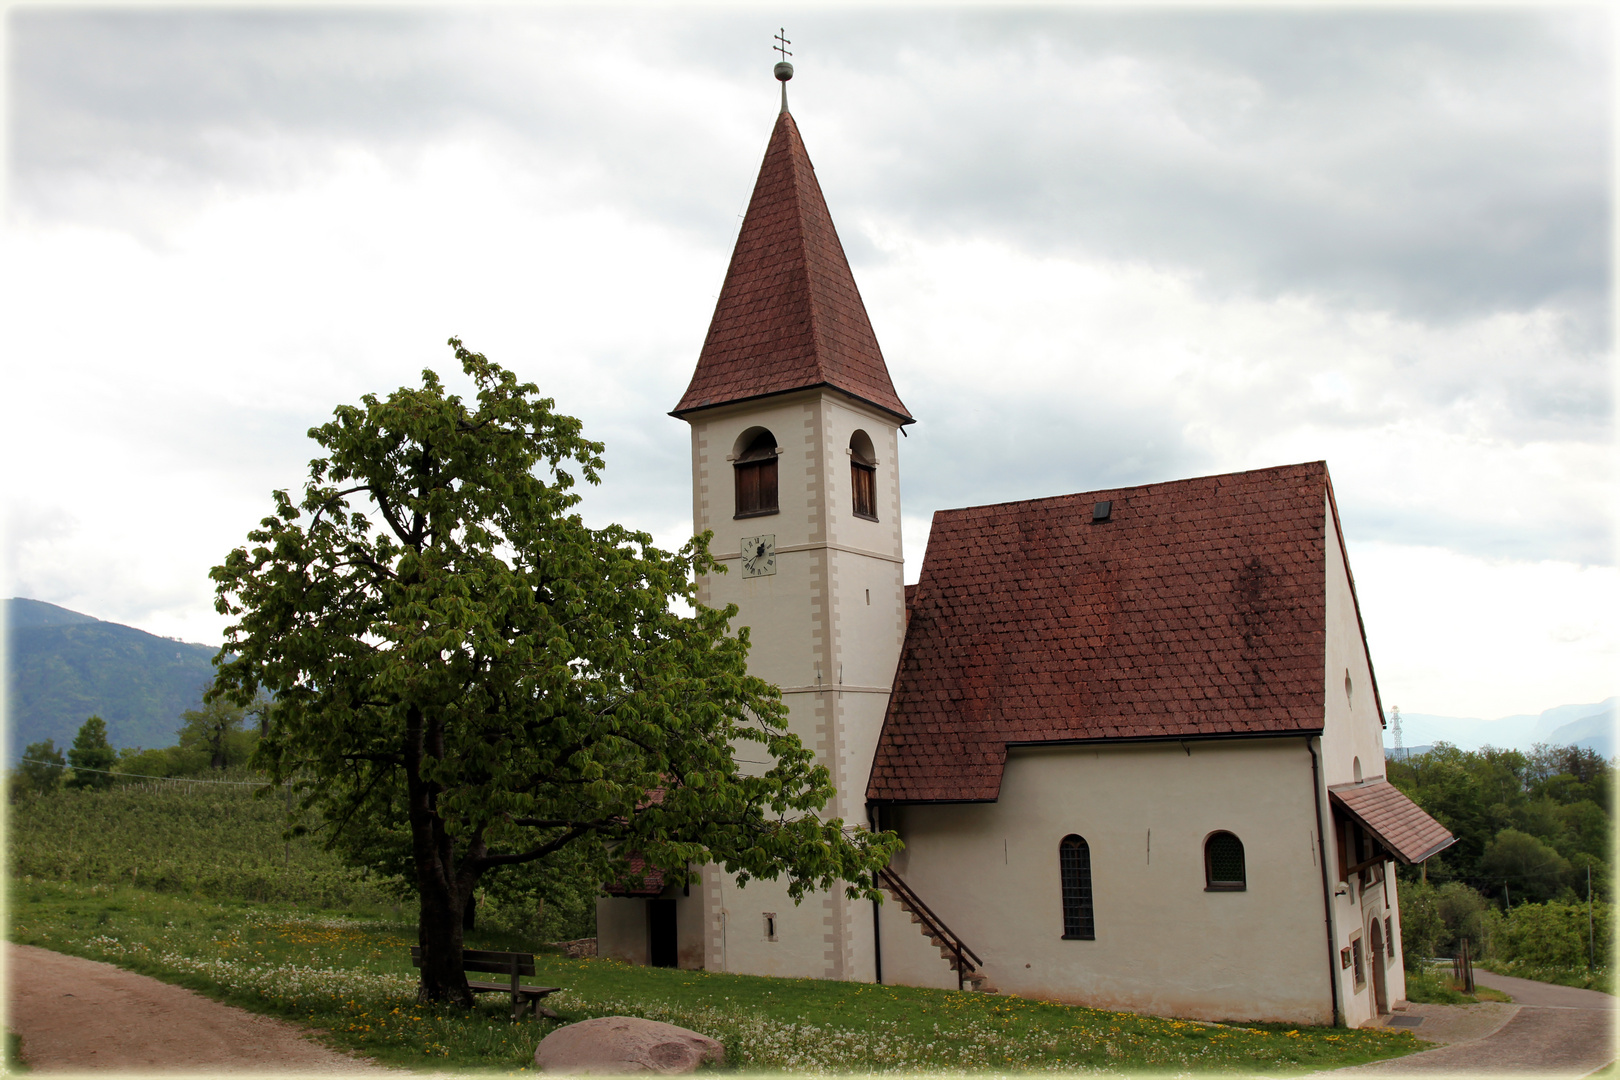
759 555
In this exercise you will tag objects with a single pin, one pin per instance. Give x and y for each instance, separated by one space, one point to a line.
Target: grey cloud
1432 164
1442 165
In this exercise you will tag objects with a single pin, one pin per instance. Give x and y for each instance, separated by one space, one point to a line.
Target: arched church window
863 475
1223 864
1074 869
756 473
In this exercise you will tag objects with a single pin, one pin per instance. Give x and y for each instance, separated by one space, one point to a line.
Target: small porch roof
1397 822
652 880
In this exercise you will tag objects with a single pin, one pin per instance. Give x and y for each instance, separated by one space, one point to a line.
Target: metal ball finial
784 71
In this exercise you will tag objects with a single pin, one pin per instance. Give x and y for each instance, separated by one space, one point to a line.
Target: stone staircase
956 954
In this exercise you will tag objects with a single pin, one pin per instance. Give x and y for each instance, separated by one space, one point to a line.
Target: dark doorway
1380 994
661 948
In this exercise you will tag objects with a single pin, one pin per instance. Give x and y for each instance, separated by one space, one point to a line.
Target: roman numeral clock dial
759 555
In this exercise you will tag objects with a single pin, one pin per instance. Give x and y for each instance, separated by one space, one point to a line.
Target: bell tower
795 468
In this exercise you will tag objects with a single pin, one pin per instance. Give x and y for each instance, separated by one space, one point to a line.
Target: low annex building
1131 738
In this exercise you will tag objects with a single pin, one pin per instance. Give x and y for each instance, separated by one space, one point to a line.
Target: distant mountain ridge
1591 726
64 666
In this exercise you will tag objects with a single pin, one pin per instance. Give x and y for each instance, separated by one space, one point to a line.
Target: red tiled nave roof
1198 609
789 315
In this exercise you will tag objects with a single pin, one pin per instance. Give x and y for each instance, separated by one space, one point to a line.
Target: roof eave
1230 736
682 414
1202 736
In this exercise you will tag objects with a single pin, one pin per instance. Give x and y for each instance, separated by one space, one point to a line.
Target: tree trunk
438 931
438 927
469 911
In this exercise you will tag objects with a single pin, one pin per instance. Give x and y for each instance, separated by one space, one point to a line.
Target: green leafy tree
41 769
1423 931
442 635
1589 871
1590 830
216 728
91 756
1462 909
1531 869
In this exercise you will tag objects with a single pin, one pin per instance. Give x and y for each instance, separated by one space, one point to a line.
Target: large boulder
615 1045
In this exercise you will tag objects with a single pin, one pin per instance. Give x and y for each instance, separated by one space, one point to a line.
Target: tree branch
537 853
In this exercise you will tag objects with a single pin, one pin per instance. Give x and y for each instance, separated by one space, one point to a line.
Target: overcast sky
1099 247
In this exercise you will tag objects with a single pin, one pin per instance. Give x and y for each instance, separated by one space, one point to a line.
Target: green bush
1423 931
1426 985
1554 935
1435 919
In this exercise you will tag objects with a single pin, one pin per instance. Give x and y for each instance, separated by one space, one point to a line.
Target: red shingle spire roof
1197 609
789 315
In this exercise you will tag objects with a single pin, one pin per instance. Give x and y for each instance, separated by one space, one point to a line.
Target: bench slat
487 960
506 988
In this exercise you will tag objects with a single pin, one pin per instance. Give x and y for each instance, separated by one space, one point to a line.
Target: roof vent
1102 511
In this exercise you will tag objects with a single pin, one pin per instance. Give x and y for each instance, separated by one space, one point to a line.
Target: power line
143 776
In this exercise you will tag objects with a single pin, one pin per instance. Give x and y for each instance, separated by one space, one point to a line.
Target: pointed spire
789 315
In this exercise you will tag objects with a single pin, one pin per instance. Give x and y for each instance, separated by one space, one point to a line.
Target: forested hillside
65 667
1533 834
1528 826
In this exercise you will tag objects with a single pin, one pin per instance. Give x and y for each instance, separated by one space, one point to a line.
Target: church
1131 739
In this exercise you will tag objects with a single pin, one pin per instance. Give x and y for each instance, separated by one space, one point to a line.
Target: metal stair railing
934 924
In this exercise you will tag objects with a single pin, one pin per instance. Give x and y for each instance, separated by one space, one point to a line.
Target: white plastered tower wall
1352 742
827 628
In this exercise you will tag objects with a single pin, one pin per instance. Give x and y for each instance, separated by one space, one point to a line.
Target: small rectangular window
863 479
770 926
1355 958
1389 935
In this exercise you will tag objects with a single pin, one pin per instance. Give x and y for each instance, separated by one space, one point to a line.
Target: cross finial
784 70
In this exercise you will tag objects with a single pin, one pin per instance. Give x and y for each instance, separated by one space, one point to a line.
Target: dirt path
78 1015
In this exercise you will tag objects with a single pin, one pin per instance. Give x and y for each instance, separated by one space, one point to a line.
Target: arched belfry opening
863 476
754 464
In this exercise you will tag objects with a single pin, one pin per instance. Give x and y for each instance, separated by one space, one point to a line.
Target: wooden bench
514 965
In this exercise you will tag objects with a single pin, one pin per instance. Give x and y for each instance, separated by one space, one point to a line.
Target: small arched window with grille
863 475
1074 868
1223 864
756 473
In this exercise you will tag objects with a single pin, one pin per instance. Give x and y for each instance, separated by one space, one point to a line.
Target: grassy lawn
1433 986
1584 978
351 979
